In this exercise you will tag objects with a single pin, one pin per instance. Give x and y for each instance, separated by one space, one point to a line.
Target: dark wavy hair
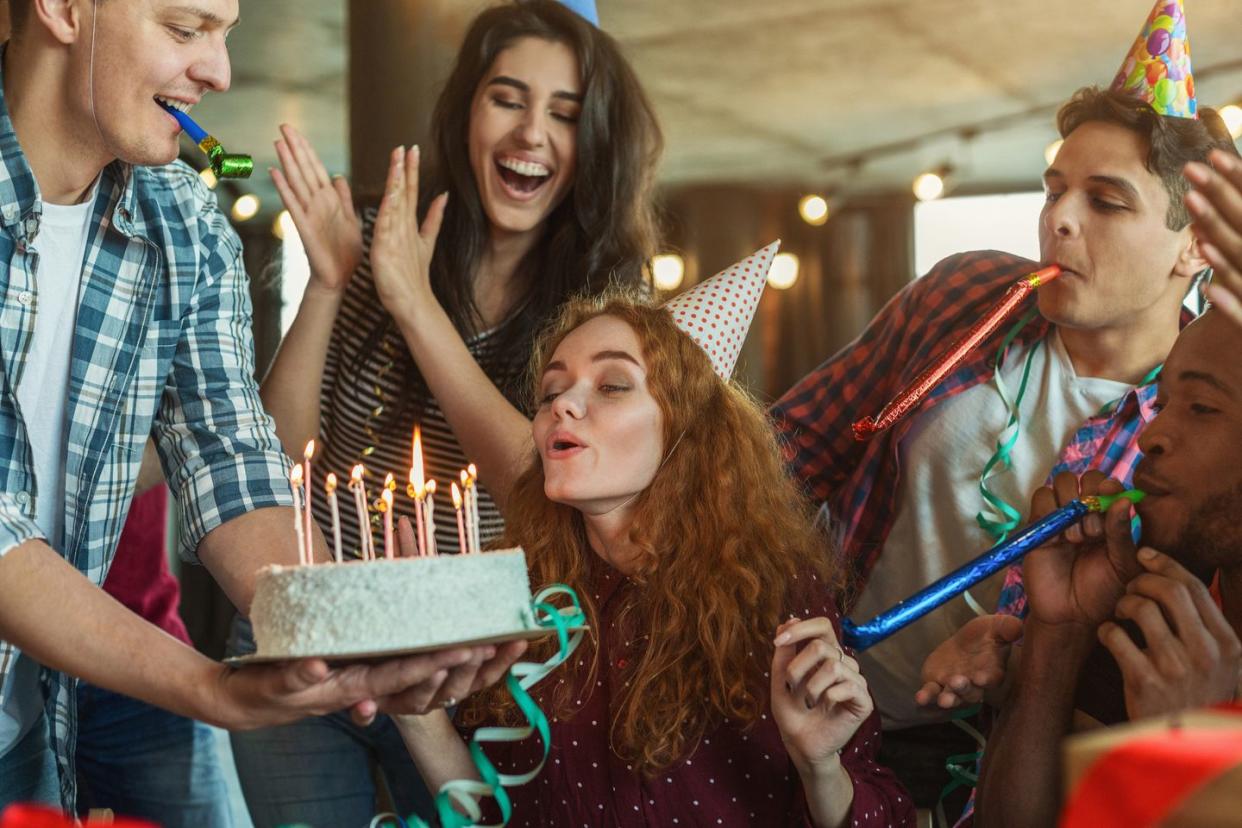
603 231
727 546
1172 142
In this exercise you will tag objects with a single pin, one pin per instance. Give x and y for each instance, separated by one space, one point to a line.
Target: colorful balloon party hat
717 313
1157 69
585 9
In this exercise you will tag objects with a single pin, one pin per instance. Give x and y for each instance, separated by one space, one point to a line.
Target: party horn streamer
914 393
223 164
862 636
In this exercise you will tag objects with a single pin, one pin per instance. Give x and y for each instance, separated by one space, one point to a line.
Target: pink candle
431 517
306 499
465 497
416 482
474 507
461 527
386 506
330 490
295 483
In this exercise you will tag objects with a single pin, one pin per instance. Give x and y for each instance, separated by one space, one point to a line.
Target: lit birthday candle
461 527
307 454
862 636
474 505
360 503
329 488
917 391
418 490
431 517
386 508
295 483
465 497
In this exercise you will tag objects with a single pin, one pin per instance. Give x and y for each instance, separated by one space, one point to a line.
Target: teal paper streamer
465 793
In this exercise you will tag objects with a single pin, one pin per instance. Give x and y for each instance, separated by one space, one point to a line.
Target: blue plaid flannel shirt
162 347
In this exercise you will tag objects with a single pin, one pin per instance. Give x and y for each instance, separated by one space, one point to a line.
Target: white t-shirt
942 456
42 395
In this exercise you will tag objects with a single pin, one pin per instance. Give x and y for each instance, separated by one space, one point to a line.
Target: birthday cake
374 607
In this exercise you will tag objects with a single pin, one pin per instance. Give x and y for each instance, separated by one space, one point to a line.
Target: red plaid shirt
857 481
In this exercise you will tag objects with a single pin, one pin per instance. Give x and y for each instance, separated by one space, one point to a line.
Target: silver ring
449 702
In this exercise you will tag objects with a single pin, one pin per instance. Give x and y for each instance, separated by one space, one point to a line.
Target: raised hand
321 208
965 668
1192 656
401 251
1078 577
1215 203
819 697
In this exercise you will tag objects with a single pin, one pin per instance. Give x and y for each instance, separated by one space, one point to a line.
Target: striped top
357 401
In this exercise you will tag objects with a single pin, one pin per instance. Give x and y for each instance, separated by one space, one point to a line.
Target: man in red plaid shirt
1071 390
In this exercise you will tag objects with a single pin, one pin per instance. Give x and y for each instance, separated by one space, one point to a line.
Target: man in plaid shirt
125 313
1076 389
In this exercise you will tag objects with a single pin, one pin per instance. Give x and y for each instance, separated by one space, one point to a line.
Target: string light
784 271
283 227
667 270
932 184
246 207
1050 151
1232 116
209 177
813 209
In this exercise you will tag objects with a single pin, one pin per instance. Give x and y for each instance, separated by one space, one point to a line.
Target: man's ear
1190 261
63 19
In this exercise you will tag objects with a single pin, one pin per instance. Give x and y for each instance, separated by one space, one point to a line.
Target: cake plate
529 634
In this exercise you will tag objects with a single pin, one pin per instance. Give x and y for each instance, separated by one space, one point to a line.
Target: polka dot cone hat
1157 68
717 313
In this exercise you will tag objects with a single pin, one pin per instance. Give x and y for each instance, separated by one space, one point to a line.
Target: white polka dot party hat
716 313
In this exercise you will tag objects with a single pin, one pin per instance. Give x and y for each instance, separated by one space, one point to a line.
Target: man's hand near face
1075 581
1192 656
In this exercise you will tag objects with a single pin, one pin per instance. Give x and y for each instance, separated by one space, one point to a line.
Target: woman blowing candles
537 186
702 699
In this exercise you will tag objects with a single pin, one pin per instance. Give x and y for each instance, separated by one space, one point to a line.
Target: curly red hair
724 538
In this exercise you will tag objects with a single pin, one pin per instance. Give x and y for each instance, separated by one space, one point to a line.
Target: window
993 222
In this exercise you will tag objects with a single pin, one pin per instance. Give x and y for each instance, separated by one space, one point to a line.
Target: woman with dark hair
538 185
700 698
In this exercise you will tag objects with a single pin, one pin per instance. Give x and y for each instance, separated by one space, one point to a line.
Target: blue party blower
862 636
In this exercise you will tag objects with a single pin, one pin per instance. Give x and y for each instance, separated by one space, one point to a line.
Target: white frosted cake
372 607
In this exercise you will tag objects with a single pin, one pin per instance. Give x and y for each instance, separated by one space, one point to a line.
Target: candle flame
386 500
463 478
456 496
431 487
295 475
474 472
416 464
390 482
329 485
355 475
310 450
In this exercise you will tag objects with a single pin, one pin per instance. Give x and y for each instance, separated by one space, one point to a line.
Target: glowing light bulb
813 209
784 271
668 270
1232 116
246 207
